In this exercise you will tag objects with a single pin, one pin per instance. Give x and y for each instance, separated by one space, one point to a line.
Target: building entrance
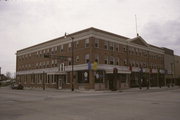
112 82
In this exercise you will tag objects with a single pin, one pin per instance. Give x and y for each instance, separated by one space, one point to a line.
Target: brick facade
133 58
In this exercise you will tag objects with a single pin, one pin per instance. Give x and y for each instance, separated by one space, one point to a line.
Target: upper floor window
117 61
117 47
61 48
111 60
47 50
47 63
106 45
125 49
52 62
44 51
125 62
86 43
77 44
97 58
69 46
97 43
55 49
77 58
106 60
69 61
55 62
52 49
111 46
86 58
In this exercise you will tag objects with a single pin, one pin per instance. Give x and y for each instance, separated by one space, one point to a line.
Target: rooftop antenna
136 25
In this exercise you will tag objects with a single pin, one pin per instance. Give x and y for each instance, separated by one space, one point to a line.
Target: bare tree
8 75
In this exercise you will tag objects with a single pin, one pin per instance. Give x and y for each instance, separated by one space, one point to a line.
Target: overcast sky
24 23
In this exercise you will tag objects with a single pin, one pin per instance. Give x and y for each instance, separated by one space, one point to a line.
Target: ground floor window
99 76
83 76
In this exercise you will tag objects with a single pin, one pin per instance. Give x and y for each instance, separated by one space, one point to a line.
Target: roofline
156 47
53 40
88 29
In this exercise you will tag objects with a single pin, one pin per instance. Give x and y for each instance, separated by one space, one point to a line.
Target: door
60 81
112 82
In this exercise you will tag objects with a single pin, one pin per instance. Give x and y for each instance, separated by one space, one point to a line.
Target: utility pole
72 57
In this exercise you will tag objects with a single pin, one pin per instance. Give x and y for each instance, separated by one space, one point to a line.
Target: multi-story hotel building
102 60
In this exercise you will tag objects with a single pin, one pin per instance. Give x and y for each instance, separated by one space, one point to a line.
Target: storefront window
99 75
83 77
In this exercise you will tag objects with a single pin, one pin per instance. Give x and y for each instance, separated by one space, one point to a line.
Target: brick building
102 60
177 69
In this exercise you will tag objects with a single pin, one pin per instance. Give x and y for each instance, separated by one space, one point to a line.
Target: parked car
17 86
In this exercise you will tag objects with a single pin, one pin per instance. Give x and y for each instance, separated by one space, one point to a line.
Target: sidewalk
144 89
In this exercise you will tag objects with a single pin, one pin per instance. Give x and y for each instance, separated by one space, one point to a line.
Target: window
55 62
125 62
125 49
47 50
97 58
117 61
86 58
52 62
132 50
97 43
140 52
77 58
52 50
106 45
117 47
77 44
83 77
111 46
37 53
106 60
133 63
36 65
47 63
136 50
69 61
69 46
111 60
86 43
29 66
99 76
55 49
144 64
61 48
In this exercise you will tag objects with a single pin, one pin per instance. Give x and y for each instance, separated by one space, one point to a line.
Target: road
158 104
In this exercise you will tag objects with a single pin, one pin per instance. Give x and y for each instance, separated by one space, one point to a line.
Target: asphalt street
131 104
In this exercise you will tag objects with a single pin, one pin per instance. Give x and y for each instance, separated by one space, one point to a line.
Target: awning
119 71
57 73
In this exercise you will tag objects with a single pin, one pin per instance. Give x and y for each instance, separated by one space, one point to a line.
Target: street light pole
72 63
172 72
72 57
